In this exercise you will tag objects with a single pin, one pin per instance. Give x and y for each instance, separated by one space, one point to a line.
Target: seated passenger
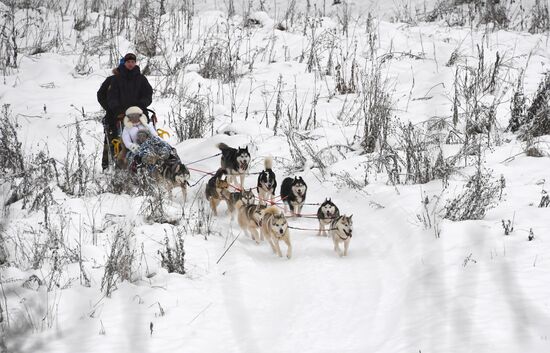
134 120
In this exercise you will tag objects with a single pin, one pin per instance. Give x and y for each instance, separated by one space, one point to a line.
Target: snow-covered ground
405 287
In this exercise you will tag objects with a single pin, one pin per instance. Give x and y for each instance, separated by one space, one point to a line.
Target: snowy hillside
426 121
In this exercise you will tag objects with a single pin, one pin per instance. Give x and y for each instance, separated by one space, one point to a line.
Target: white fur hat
134 110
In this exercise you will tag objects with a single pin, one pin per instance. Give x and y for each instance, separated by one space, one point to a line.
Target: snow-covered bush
118 267
480 194
377 109
11 155
536 121
173 257
189 117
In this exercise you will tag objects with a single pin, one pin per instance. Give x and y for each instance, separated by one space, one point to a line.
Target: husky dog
235 161
325 214
216 190
275 229
293 193
267 183
175 174
246 196
340 229
250 218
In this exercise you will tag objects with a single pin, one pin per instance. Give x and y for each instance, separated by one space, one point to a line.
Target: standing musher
109 121
128 88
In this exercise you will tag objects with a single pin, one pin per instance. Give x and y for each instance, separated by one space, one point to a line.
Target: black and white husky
235 161
293 194
267 184
340 229
325 214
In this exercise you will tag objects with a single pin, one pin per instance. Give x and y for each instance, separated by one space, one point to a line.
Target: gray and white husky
275 229
340 230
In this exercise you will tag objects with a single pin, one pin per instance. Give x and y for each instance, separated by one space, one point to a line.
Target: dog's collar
348 235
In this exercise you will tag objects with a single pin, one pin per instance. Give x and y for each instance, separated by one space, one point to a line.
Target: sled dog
250 218
246 196
235 161
275 229
174 175
325 214
340 229
293 194
267 184
216 190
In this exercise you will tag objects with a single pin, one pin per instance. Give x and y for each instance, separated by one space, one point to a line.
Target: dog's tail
222 146
272 210
268 163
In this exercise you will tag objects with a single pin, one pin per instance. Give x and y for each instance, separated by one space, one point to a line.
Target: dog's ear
350 216
330 199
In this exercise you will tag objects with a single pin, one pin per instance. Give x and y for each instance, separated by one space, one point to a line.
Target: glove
133 147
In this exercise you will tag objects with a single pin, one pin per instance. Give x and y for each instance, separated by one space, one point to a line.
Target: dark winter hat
130 56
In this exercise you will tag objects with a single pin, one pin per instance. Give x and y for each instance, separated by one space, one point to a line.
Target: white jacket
129 134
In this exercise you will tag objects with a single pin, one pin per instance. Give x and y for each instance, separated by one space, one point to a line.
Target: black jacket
129 88
102 93
102 99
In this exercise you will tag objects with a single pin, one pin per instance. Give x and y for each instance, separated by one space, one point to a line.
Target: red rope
200 171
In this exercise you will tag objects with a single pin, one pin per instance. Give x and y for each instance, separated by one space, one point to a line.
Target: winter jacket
129 88
102 99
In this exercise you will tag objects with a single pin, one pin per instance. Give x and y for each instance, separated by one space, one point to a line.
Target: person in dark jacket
129 88
109 121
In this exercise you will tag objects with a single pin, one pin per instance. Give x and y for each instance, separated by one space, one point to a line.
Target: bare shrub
219 55
148 28
544 200
189 117
508 226
480 194
118 267
11 154
197 219
419 161
537 119
376 106
517 108
496 13
476 100
78 170
173 257
155 207
540 18
347 76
